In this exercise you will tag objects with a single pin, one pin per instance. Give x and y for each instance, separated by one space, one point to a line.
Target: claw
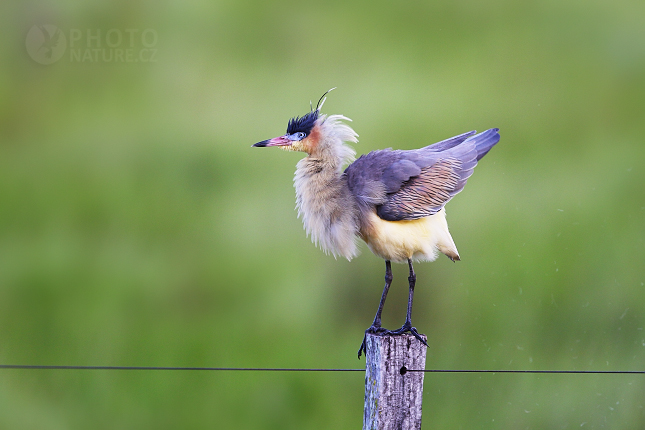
381 331
362 348
408 328
372 330
418 336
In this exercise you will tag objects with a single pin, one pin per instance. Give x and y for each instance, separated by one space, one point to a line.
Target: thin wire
265 369
641 372
260 369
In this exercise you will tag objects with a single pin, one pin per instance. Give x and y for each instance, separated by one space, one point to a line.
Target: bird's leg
376 324
412 280
388 281
407 327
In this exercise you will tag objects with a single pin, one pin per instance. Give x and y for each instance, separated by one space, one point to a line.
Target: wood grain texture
393 401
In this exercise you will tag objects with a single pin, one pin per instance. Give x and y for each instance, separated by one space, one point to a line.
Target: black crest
302 123
306 122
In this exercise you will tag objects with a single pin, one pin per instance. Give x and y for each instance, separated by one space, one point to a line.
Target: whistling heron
392 199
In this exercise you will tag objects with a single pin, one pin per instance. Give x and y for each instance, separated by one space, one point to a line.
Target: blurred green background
139 228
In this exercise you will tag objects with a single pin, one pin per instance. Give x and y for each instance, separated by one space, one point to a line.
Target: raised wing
424 194
406 185
449 143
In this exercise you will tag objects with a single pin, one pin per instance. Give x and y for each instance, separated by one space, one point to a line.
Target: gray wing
449 143
406 185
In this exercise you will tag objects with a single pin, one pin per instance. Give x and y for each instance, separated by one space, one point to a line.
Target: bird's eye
299 135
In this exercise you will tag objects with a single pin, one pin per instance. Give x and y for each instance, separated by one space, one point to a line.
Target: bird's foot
371 330
407 327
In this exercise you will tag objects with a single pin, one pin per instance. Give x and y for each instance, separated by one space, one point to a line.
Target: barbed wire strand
279 369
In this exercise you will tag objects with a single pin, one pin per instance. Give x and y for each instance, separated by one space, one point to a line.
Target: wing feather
407 185
424 194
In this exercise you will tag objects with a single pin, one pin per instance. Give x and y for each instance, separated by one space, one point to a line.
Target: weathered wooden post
393 396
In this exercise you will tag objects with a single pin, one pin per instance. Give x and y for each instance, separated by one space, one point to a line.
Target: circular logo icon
46 44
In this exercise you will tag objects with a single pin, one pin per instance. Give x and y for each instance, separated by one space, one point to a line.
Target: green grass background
139 228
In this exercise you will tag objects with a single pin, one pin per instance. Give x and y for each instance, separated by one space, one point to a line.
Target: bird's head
314 133
303 134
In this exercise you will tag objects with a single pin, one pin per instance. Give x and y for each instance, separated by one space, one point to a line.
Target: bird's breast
419 239
326 207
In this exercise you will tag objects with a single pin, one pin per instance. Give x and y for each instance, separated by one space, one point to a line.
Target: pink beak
276 141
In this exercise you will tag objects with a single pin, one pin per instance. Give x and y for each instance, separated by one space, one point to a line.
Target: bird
393 200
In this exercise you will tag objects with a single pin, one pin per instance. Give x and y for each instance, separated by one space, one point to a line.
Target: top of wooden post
393 397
